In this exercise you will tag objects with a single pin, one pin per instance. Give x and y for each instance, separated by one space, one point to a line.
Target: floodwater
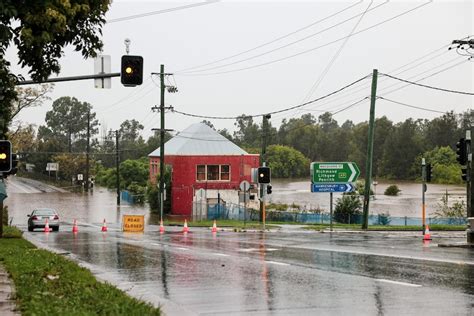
25 195
407 203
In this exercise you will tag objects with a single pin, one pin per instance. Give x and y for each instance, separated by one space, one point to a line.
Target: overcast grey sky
267 78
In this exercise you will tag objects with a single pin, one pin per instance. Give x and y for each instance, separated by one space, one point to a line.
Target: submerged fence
237 212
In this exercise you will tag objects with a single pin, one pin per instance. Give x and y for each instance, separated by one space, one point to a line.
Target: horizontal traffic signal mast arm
73 78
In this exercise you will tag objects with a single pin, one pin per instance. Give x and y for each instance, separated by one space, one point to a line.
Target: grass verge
387 228
47 283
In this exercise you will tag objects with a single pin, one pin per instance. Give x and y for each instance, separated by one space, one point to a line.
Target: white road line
222 254
277 263
180 248
398 283
460 262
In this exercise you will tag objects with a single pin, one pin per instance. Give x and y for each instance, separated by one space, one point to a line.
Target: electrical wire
410 106
315 86
272 41
137 16
427 86
273 112
291 43
311 49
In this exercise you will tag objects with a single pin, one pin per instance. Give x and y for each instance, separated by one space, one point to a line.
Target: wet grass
11 232
221 223
386 227
49 284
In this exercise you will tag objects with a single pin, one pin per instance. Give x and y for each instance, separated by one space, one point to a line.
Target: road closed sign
133 223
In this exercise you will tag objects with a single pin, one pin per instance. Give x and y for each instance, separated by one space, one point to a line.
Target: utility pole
163 130
117 165
370 150
87 149
266 117
162 139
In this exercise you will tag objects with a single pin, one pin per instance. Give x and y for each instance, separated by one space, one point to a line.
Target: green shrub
392 190
384 219
5 216
348 207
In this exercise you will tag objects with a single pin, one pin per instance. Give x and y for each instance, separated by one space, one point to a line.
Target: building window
201 173
213 173
225 172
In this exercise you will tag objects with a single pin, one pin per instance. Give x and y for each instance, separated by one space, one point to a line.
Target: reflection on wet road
276 273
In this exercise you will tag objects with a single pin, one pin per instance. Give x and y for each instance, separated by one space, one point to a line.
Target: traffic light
131 73
428 172
464 173
269 189
264 175
461 151
5 156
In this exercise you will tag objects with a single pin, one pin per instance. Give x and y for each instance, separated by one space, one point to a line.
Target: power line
273 112
272 41
427 86
311 49
291 43
410 106
333 60
137 16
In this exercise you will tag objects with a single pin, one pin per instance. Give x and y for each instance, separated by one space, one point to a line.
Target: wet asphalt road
289 272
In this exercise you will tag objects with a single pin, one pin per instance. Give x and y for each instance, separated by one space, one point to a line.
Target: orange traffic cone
185 228
162 228
427 235
74 227
104 226
214 227
46 227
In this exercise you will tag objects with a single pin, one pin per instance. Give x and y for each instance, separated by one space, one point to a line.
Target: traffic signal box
131 73
428 172
264 175
461 151
5 156
269 189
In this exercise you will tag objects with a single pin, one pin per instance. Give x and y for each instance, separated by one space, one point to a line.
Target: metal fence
238 212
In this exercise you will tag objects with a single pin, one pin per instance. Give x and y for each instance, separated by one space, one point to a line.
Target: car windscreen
44 212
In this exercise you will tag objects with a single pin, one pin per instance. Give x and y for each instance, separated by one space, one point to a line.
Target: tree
67 121
441 131
30 97
401 148
248 133
287 162
40 30
348 209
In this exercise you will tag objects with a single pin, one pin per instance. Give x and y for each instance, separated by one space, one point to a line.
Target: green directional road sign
334 172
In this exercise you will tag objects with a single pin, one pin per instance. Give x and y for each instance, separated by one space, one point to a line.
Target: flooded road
277 273
286 272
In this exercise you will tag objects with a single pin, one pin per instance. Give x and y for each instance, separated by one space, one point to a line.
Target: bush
384 219
347 207
5 216
392 190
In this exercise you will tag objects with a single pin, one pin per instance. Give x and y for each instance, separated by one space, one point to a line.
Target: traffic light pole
423 190
470 189
263 188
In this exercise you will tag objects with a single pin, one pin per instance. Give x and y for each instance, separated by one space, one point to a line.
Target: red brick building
201 158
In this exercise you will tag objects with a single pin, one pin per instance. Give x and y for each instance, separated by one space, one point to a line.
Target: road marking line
222 254
460 262
156 244
180 248
277 263
399 283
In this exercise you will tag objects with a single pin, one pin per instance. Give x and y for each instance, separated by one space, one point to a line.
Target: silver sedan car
37 219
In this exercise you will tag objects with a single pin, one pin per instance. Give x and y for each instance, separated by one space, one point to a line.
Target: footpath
7 303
